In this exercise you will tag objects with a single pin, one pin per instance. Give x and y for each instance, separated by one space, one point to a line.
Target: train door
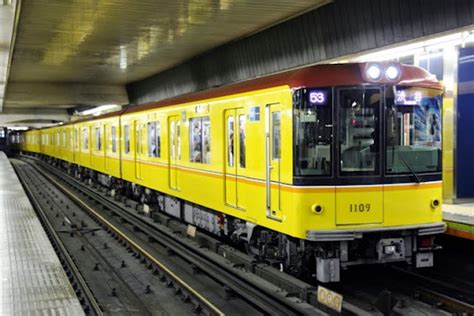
105 145
138 149
234 155
358 152
174 151
273 157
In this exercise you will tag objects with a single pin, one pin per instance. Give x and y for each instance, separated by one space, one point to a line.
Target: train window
76 141
314 132
98 139
230 141
64 139
85 138
113 134
242 140
126 132
200 140
413 130
359 143
154 139
276 135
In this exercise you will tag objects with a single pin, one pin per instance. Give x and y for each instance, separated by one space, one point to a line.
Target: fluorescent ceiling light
417 48
101 110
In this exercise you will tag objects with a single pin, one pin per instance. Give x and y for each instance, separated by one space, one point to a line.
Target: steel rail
255 294
56 240
445 295
211 307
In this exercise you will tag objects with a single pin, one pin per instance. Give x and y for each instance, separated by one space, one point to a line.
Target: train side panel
231 187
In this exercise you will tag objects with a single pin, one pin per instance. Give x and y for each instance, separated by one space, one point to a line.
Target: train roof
314 76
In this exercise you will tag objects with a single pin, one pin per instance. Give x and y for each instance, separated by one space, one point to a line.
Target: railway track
143 237
105 276
440 291
202 249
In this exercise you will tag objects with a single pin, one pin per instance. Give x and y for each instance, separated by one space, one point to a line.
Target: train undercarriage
321 256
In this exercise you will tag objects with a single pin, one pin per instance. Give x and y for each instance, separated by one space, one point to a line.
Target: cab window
359 141
314 132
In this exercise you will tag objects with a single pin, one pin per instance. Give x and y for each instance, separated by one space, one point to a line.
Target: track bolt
114 292
57 214
123 265
93 233
72 234
186 298
177 291
155 272
67 207
147 290
143 261
169 283
87 310
96 267
73 213
150 266
83 248
106 246
197 309
64 224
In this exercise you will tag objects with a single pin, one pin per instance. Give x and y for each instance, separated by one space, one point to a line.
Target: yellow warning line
209 305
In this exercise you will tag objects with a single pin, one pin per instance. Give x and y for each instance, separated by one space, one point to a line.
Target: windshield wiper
415 175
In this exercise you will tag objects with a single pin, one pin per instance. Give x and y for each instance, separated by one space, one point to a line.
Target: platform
460 219
33 281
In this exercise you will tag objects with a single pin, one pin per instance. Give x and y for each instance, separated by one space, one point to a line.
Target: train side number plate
329 298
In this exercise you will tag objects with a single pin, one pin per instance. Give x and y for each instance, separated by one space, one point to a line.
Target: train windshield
359 141
413 130
360 131
313 134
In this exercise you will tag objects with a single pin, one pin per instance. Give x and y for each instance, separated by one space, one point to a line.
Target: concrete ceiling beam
63 95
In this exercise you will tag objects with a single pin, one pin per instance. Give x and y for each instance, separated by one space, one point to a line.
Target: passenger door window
200 140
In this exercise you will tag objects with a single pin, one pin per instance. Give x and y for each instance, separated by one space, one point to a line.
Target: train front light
374 72
392 72
390 250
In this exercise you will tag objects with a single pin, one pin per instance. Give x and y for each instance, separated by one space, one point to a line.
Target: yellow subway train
314 169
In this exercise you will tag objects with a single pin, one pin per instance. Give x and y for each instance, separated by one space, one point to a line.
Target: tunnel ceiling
83 52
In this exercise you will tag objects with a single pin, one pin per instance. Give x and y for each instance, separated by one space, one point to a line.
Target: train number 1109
359 207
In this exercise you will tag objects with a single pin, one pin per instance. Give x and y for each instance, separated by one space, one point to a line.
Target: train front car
367 163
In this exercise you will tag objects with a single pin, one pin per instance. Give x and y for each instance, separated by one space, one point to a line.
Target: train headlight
374 72
390 250
392 72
